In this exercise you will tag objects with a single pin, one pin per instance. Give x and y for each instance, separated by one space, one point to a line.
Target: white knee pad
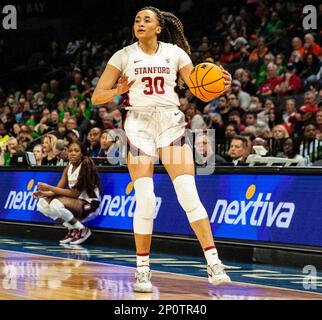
43 207
145 206
60 211
188 197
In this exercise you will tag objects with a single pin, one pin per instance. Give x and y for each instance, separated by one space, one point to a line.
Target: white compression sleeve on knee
145 206
188 197
59 209
44 207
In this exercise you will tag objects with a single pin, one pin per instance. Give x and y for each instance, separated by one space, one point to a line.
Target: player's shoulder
170 47
130 48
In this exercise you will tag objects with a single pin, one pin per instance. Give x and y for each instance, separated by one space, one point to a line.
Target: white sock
78 225
68 225
143 263
211 255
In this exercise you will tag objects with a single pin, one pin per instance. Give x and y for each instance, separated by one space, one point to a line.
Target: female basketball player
146 72
71 206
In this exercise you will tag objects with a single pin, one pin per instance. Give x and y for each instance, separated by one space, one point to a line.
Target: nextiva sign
269 208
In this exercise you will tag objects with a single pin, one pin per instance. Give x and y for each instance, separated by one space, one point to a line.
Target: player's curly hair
88 178
172 30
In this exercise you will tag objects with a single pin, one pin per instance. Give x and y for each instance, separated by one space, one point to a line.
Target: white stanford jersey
72 178
155 75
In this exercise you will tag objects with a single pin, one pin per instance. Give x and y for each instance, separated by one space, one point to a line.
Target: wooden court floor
28 276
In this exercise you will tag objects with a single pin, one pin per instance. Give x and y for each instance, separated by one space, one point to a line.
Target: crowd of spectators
275 98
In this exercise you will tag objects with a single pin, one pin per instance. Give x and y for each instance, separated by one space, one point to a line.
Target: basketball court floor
36 269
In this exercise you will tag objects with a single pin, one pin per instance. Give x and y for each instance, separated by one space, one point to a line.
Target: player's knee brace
145 206
43 207
188 197
58 208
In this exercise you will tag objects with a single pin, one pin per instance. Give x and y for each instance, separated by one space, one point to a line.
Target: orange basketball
206 81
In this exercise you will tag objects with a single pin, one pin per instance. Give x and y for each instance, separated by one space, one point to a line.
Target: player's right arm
105 91
43 190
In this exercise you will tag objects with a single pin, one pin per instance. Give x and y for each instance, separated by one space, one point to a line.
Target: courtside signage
268 208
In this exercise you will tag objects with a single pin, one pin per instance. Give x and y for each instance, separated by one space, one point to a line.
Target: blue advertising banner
258 207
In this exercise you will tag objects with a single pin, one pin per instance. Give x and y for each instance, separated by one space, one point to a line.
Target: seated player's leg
141 171
182 176
68 210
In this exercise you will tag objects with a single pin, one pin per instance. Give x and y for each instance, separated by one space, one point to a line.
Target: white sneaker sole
79 241
147 287
65 241
220 281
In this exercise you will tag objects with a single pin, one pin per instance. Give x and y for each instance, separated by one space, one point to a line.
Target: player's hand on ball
228 79
123 84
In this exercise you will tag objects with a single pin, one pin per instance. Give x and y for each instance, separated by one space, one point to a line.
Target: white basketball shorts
154 128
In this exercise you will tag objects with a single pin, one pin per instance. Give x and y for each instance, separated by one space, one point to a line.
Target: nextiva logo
22 200
123 205
258 212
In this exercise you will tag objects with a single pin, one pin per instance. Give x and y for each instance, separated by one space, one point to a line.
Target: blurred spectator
24 138
233 104
310 71
279 134
268 86
263 115
280 63
297 45
49 143
261 142
273 25
205 153
72 135
93 139
238 150
247 85
310 146
53 95
61 153
297 60
289 114
274 118
261 75
228 55
290 150
101 111
194 119
39 154
109 146
82 124
108 121
311 47
250 119
318 119
259 50
8 150
289 83
255 104
224 108
231 130
243 97
234 117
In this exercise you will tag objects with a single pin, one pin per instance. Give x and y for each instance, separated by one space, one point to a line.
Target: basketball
206 81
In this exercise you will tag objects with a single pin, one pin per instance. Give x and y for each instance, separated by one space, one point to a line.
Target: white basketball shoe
143 281
217 275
